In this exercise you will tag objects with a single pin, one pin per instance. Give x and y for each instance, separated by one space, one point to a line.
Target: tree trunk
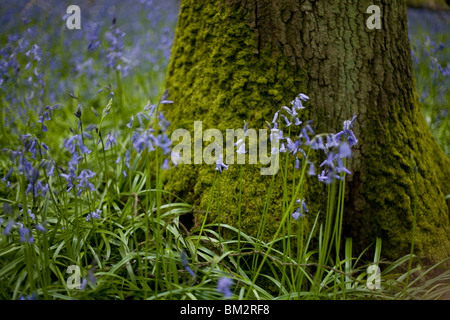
242 60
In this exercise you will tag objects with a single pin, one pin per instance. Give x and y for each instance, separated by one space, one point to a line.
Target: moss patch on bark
223 71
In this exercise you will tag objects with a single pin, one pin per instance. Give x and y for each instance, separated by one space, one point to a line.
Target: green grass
139 248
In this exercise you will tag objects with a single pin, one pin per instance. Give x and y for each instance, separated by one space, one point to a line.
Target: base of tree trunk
242 60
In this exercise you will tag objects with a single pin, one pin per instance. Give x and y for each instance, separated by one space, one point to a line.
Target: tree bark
242 60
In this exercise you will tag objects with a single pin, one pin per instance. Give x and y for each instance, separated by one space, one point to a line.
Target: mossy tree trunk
242 60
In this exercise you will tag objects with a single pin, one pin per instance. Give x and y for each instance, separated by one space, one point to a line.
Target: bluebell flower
50 109
7 208
296 214
25 235
312 169
6 177
289 111
288 123
220 164
110 140
114 54
83 284
14 154
345 151
297 104
43 189
139 116
274 135
351 138
127 159
97 214
100 139
223 286
90 278
27 140
31 215
83 181
184 261
44 146
24 166
35 52
294 113
163 142
275 117
304 134
325 177
163 123
317 143
291 146
81 146
49 166
69 181
29 297
192 273
76 140
143 141
70 144
309 128
130 124
92 36
184 258
150 108
78 114
303 97
274 151
8 227
332 142
303 204
347 132
340 167
40 228
301 210
89 127
46 116
165 164
329 161
31 144
175 157
44 127
245 126
34 184
240 144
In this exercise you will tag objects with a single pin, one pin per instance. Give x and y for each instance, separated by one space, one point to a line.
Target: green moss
211 72
220 75
391 189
